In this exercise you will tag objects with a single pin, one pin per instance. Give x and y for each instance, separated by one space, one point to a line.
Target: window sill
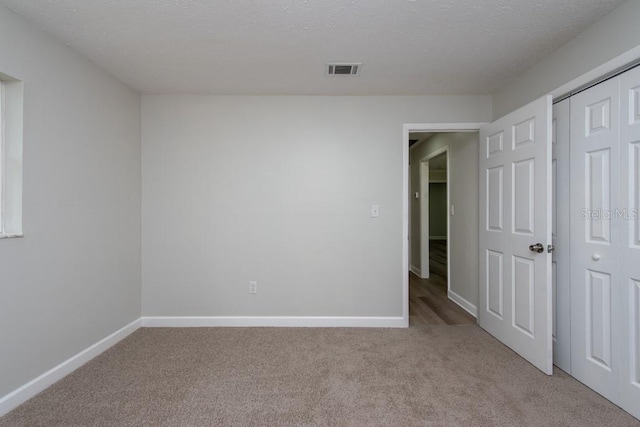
11 235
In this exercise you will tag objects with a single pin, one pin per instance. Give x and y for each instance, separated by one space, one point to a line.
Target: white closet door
515 212
560 267
630 243
595 264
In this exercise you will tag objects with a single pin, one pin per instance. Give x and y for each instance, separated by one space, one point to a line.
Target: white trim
435 153
35 386
11 155
423 217
406 129
415 270
466 305
10 235
405 224
449 186
273 321
442 127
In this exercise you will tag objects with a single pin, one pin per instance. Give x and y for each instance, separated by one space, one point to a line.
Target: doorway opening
433 200
442 173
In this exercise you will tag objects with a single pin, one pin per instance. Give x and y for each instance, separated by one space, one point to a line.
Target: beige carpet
434 376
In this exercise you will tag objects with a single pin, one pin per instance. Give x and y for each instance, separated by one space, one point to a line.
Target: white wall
278 190
463 182
75 276
274 189
613 35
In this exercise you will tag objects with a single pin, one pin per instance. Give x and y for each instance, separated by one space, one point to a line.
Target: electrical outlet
253 287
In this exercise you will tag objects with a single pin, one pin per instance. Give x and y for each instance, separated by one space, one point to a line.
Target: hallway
428 301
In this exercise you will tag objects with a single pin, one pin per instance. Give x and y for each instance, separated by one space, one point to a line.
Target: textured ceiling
281 46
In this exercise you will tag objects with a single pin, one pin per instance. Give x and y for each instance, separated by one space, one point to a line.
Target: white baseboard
415 270
466 305
269 321
35 386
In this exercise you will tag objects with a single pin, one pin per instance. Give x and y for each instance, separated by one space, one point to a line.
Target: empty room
327 213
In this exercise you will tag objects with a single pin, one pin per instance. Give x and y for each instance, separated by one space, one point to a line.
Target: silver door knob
536 248
595 257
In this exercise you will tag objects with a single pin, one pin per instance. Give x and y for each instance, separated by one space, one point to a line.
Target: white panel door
595 290
630 243
515 212
561 263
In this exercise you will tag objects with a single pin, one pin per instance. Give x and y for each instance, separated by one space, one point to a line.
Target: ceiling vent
344 69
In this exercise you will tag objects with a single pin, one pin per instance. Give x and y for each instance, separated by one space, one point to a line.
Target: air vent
343 69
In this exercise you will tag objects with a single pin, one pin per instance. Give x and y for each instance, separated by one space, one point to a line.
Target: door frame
407 128
596 72
425 194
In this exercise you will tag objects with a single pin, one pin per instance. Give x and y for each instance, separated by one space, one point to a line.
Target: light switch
375 211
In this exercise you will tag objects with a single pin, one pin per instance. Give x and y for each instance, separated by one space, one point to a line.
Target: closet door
596 289
630 243
561 264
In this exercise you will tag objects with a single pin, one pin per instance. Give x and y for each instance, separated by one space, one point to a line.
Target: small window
10 157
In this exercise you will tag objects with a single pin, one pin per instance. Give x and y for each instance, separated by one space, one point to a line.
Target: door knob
536 248
595 257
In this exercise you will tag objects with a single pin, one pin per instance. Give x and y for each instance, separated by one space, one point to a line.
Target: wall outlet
253 287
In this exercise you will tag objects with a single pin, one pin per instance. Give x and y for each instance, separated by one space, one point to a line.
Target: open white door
515 232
